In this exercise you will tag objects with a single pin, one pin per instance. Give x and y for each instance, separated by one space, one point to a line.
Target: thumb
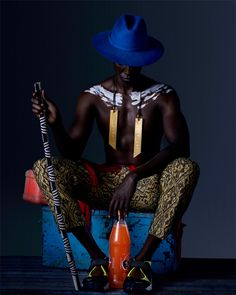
44 95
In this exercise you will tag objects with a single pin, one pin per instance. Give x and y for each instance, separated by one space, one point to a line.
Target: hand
47 107
122 196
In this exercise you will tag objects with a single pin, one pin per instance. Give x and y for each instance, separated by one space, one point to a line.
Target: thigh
178 181
146 196
72 179
108 181
181 174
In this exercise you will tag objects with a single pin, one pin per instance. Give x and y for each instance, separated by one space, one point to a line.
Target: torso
127 105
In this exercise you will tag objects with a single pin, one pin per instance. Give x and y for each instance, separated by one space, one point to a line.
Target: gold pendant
138 135
113 127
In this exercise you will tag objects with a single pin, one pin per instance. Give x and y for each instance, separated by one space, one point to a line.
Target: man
133 113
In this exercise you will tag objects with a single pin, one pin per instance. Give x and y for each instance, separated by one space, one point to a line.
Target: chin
127 80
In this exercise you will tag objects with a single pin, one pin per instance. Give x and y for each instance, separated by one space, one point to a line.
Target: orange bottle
119 243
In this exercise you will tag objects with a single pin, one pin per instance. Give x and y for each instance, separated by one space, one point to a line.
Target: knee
186 164
185 168
39 166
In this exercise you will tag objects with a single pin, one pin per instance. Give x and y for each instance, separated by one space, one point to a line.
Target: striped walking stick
54 191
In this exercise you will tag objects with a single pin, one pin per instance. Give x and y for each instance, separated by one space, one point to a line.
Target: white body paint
146 96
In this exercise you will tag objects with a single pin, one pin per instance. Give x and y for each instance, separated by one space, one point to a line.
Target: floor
26 275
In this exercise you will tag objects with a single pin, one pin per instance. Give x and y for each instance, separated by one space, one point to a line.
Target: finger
36 95
37 106
121 213
111 208
121 209
115 210
126 209
37 114
44 96
37 110
35 100
126 205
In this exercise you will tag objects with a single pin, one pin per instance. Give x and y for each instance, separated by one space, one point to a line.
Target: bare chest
144 104
127 114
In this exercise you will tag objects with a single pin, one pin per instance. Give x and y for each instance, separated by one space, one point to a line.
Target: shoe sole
138 289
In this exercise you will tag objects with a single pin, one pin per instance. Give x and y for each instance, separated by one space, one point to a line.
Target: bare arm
71 144
176 133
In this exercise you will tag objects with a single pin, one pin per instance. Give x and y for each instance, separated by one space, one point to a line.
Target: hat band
135 47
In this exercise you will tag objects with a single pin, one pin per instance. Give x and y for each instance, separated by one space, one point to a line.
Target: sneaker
97 279
139 278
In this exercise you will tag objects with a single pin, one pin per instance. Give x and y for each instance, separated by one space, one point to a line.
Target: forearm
67 146
160 160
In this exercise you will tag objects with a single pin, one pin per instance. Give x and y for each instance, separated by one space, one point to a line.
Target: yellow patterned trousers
167 195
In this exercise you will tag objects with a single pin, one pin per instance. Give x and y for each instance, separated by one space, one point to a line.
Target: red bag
32 192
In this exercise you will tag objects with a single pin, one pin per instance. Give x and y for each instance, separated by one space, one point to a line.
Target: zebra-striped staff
54 191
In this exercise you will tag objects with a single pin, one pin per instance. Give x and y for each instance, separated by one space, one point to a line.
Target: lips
125 77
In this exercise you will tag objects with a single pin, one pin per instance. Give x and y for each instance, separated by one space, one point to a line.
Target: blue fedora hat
128 43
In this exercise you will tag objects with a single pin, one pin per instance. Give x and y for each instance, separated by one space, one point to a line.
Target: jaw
126 75
128 80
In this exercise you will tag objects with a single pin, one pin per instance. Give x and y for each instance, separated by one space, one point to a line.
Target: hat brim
152 53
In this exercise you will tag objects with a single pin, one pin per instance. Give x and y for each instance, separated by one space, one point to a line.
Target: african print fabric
167 195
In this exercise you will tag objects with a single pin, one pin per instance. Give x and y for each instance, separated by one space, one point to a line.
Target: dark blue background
50 41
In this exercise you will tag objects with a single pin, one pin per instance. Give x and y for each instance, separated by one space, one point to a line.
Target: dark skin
161 117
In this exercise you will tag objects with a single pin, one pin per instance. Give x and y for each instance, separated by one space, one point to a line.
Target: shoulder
99 88
149 85
104 92
163 95
161 88
153 88
91 93
94 90
159 93
168 99
86 100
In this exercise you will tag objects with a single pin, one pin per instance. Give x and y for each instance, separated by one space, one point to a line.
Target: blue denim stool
165 259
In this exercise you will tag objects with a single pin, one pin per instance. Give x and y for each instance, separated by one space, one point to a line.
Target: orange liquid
119 254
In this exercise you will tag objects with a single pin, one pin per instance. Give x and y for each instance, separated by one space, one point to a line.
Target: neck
126 87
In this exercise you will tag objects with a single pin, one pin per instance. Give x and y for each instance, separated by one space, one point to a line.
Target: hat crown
129 33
